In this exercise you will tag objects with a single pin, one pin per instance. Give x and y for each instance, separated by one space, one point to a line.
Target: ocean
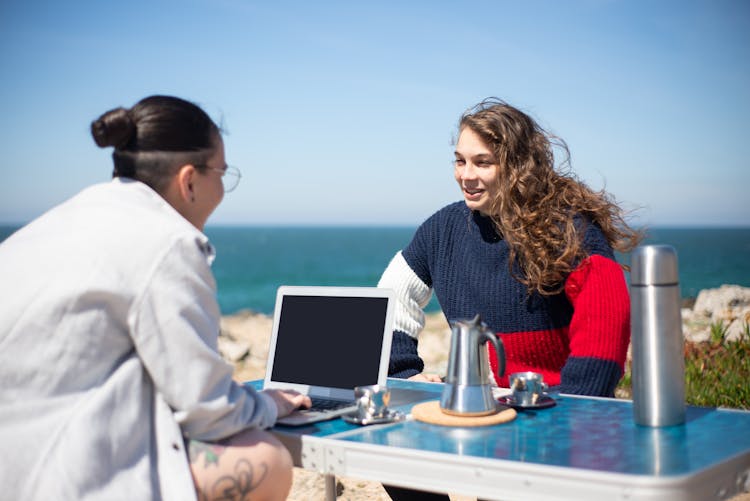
252 262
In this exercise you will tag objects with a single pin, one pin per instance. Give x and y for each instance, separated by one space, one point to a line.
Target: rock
244 340
434 343
729 305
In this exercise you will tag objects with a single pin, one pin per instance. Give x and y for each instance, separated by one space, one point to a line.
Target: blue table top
579 432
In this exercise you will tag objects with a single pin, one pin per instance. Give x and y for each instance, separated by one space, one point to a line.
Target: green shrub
717 372
718 332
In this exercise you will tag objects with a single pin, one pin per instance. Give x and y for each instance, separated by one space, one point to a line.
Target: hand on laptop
287 401
430 378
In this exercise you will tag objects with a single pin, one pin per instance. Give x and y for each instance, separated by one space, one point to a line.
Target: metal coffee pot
468 391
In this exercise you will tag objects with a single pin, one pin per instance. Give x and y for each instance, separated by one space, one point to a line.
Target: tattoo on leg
238 487
210 451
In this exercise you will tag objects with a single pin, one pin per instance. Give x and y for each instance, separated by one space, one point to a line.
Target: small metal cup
372 401
528 387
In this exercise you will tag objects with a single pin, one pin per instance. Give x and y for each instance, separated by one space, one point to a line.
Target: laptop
326 341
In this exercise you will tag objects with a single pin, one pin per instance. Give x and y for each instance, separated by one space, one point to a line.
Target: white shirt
108 330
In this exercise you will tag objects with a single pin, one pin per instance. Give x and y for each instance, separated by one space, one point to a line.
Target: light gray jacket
108 331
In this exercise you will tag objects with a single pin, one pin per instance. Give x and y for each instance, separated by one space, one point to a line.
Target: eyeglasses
230 176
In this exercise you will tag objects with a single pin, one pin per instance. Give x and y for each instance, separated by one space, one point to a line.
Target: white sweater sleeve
413 295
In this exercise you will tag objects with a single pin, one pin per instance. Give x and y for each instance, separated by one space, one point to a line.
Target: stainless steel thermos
658 363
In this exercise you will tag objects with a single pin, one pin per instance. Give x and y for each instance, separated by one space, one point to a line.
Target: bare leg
251 465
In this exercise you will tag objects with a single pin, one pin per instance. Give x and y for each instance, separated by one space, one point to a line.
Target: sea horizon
253 260
6 226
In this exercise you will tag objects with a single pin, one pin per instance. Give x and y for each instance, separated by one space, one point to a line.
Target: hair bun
113 128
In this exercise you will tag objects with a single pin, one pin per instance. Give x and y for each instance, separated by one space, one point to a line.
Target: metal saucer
392 416
544 402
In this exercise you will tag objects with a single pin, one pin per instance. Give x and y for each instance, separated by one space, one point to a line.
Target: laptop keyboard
326 404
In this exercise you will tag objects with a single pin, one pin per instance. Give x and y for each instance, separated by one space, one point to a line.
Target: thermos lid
654 265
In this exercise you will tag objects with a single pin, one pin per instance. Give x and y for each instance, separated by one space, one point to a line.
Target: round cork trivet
430 412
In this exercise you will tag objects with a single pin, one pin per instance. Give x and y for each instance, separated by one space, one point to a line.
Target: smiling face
476 171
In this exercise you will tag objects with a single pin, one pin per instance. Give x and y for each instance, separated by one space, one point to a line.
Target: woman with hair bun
111 386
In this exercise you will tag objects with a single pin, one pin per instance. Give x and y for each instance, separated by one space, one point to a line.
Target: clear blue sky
344 112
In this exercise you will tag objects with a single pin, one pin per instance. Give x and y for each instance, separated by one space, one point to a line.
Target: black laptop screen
329 341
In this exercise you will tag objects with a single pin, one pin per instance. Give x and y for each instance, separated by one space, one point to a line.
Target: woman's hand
288 400
429 378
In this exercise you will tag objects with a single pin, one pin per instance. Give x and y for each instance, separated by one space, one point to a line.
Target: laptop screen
333 341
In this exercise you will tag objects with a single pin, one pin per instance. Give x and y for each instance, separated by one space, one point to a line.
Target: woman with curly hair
530 249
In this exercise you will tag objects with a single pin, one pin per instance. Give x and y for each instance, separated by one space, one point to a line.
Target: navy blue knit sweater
578 338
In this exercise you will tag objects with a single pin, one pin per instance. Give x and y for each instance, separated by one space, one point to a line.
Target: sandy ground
244 341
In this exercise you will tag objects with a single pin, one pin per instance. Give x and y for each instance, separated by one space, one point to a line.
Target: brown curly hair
540 209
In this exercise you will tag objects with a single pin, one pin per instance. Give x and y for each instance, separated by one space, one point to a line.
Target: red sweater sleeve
600 327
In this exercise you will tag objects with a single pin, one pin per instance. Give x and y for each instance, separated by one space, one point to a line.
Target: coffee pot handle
499 349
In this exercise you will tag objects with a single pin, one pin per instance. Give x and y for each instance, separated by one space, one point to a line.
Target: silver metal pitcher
468 391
